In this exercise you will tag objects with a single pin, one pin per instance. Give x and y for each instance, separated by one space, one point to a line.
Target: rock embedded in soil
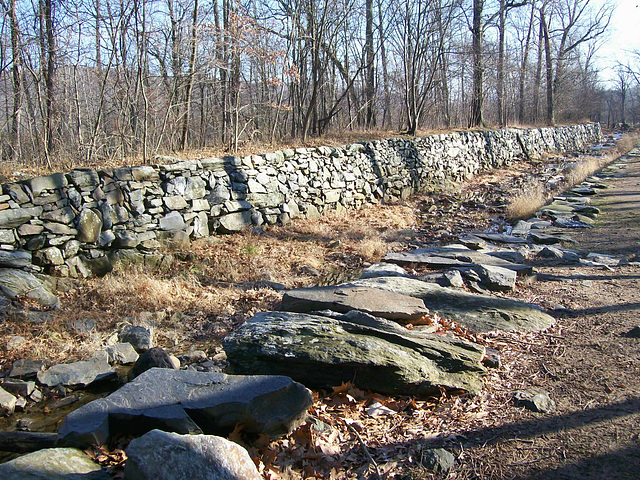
189 402
159 455
53 464
78 374
374 353
535 400
482 313
385 304
438 460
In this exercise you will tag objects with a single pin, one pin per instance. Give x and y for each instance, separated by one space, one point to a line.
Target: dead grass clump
525 204
532 199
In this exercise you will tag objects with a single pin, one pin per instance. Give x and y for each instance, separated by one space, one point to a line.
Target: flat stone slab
385 304
189 402
374 353
482 313
499 237
159 455
448 257
53 464
78 374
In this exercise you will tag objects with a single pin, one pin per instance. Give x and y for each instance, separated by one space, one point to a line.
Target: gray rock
384 270
496 278
438 460
15 342
89 226
508 255
125 239
26 368
83 325
19 387
49 182
60 215
548 239
175 202
385 304
77 374
479 312
172 221
15 217
53 464
7 402
18 283
155 357
140 338
535 400
446 257
375 353
194 189
452 278
121 354
234 222
499 238
15 259
190 402
160 455
569 223
84 178
521 229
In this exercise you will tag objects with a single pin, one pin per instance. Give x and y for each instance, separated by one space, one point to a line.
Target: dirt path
590 368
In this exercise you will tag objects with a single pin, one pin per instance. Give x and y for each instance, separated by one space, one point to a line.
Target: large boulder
381 303
53 464
160 455
482 313
375 353
190 402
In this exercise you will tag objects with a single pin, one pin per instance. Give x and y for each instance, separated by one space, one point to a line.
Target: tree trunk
523 66
370 119
191 74
549 69
502 19
478 67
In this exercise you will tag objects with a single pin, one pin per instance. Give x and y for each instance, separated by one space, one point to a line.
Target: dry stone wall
79 223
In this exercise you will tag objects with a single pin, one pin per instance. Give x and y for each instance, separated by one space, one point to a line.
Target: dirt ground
587 364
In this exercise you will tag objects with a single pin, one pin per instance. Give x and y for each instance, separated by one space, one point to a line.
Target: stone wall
78 223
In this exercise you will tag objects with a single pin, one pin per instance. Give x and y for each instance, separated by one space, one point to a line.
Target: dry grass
215 284
536 196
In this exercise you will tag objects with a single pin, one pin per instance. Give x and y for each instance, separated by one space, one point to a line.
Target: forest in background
88 81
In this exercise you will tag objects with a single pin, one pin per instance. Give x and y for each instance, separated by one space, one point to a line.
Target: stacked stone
79 223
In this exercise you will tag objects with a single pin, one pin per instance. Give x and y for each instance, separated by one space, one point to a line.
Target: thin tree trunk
549 69
192 67
478 67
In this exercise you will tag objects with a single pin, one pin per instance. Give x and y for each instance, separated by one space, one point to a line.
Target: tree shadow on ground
617 463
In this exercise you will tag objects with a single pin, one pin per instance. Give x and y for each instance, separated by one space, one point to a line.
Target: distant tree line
95 79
